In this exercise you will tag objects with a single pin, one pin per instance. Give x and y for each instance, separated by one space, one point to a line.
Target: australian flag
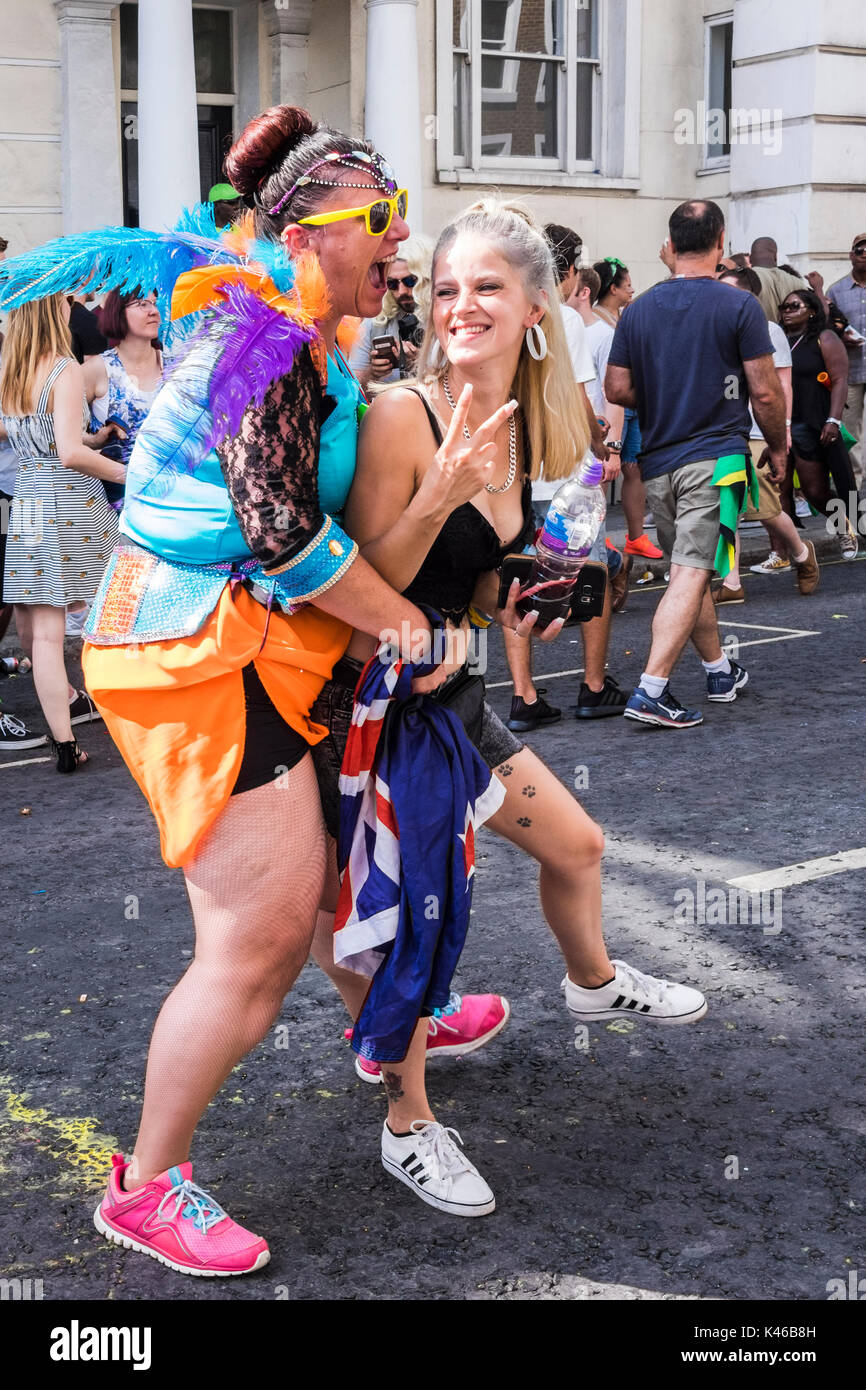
413 792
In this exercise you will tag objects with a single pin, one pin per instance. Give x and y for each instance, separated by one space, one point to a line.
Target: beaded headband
357 160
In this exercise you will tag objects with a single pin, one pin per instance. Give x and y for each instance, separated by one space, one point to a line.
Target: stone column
798 160
92 189
168 169
287 27
393 98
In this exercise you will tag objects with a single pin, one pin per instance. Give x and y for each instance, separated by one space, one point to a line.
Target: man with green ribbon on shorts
690 355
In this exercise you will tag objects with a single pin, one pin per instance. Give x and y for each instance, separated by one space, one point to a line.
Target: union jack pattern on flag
413 792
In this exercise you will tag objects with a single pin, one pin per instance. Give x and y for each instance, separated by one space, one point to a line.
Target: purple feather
259 348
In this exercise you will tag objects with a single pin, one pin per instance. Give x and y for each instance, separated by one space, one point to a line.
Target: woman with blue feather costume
231 595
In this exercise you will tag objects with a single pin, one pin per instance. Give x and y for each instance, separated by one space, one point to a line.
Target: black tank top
466 547
811 398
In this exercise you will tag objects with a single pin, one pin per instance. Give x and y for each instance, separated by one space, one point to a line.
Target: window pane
719 93
523 26
129 159
212 36
129 48
214 141
460 13
587 41
461 106
520 105
585 109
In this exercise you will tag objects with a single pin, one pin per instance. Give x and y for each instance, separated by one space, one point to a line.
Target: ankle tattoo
393 1083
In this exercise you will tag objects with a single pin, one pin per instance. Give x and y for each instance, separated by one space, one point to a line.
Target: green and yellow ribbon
735 477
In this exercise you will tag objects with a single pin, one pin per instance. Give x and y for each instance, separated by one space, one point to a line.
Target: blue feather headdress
116 258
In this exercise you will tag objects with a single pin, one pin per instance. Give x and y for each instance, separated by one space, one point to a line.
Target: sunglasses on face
410 281
860 248
377 216
794 305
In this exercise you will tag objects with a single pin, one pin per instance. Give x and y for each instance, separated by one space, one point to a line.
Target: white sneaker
774 564
801 507
631 994
429 1161
850 542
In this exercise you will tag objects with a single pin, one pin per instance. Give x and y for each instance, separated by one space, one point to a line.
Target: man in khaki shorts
688 355
784 536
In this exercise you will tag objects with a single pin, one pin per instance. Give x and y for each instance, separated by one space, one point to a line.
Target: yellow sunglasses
377 216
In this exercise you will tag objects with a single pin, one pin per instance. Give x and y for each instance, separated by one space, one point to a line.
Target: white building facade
602 114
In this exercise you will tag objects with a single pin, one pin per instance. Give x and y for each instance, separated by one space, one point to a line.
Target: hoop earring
536 343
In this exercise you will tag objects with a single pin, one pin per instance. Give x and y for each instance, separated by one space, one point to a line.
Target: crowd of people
251 516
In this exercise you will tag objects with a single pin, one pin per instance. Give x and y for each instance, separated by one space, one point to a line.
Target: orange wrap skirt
176 709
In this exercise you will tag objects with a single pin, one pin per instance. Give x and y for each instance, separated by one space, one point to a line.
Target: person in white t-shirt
788 545
599 336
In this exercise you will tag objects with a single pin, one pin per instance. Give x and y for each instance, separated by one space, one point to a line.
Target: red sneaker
643 546
178 1224
469 1021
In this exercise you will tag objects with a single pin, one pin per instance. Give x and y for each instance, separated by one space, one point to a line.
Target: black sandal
69 755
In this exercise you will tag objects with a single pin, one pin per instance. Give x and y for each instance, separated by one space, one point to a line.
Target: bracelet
615 447
831 420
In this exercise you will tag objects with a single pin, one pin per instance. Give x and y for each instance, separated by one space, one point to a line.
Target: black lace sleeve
271 467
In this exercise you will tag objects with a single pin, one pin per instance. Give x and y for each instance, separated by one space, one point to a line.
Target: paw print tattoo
529 791
506 770
524 821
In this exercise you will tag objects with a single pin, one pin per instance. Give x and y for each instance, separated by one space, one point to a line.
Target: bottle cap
591 473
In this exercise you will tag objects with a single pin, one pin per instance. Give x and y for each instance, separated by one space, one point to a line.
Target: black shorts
495 742
271 746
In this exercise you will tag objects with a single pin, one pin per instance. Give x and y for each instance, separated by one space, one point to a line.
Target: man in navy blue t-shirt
690 355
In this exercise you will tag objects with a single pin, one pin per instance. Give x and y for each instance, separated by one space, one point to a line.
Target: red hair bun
263 143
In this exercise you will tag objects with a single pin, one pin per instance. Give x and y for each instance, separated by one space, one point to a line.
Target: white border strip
840 863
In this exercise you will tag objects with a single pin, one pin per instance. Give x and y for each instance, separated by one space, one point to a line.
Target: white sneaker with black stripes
429 1161
631 994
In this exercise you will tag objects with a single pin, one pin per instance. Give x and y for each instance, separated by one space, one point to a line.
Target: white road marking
765 627
788 634
840 863
24 762
548 676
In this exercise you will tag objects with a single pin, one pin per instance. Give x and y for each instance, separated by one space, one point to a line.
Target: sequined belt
145 598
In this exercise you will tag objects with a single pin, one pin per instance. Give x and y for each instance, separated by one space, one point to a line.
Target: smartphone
513 567
589 591
386 346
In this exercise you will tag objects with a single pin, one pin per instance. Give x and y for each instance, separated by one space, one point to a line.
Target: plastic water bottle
573 521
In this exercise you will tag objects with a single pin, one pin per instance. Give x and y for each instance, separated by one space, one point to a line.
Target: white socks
722 666
653 685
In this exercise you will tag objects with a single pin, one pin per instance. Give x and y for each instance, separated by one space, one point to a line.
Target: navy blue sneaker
722 687
666 712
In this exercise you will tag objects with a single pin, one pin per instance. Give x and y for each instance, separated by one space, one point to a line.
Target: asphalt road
719 1161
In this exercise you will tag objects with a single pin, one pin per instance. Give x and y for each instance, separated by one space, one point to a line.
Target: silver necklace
512 443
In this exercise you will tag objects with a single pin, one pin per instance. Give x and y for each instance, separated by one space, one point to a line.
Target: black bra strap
434 422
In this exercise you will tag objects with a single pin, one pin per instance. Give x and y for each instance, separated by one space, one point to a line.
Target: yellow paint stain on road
73 1140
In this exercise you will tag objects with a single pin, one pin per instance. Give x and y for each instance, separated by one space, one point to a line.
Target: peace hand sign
461 467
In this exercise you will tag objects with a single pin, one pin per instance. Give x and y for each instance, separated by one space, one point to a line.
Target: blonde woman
405 310
62 530
441 495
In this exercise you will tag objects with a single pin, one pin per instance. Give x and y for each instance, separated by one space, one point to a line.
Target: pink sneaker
469 1021
178 1224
